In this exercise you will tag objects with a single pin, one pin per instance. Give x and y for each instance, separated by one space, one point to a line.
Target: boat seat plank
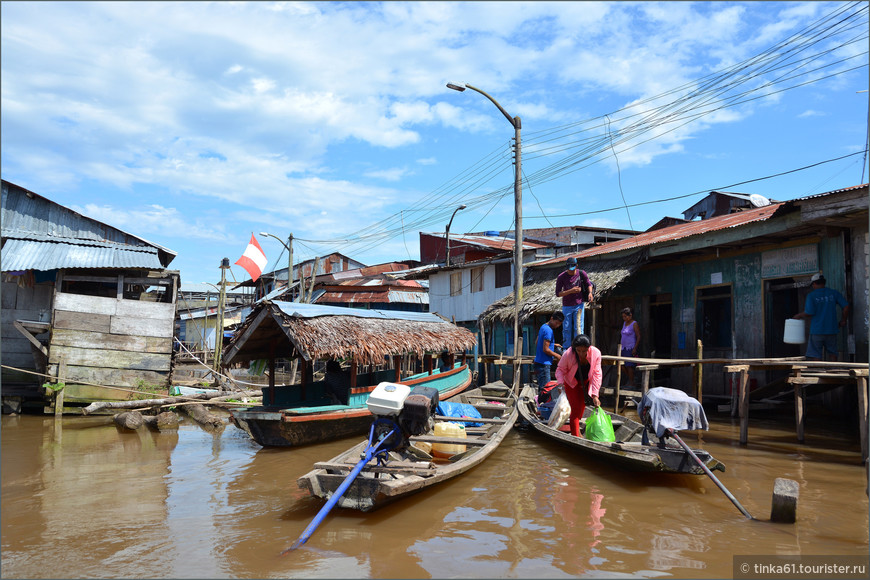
469 419
374 468
487 397
450 440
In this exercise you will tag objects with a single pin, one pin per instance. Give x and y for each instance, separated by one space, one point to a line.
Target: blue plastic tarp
460 410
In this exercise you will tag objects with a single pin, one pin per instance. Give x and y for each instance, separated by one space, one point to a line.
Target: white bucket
794 331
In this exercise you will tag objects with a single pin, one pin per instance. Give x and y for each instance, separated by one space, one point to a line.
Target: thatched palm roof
539 288
290 330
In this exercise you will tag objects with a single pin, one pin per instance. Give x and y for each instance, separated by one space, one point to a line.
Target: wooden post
699 385
618 379
785 497
303 379
397 362
861 379
483 353
518 369
272 372
799 417
646 377
592 329
743 371
58 397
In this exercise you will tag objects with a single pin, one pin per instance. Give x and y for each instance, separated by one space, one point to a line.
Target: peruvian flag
253 260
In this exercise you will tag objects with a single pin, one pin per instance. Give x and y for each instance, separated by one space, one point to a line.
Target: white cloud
153 219
811 113
394 174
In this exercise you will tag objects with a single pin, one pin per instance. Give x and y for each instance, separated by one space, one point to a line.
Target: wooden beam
862 416
30 337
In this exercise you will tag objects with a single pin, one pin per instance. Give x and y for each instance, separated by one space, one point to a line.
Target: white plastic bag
561 410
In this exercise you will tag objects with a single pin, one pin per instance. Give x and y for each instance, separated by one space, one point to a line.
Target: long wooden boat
409 469
277 426
628 451
304 412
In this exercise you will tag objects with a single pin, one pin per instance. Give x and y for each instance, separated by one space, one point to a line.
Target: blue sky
193 125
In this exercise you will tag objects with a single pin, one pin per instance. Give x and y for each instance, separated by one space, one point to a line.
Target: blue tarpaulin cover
672 409
459 410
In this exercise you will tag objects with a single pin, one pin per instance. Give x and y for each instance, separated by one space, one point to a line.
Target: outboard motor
396 404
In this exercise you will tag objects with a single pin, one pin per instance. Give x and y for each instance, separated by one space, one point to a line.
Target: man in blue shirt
544 349
821 306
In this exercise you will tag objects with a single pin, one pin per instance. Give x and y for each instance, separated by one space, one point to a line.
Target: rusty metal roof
492 242
672 233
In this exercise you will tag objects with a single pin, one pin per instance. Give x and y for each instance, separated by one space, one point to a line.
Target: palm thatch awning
311 331
539 289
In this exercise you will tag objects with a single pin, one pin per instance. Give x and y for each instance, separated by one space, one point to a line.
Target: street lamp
289 247
518 213
448 231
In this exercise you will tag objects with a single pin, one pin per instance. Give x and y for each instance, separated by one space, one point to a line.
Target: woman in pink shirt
579 371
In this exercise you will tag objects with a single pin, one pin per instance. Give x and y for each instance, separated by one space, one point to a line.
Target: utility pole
518 223
219 331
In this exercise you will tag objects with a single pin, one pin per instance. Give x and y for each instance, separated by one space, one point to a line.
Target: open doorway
784 299
661 323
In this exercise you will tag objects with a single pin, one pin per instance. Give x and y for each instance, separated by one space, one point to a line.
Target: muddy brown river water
88 501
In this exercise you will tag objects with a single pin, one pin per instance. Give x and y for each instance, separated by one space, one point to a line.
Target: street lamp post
447 261
518 219
289 247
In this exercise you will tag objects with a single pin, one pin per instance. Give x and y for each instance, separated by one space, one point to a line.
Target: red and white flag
253 260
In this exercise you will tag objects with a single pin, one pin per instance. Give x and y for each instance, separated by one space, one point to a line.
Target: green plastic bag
599 427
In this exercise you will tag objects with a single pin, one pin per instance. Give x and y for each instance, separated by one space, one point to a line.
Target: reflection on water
84 499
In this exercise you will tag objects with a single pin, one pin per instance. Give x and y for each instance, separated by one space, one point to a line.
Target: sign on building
790 261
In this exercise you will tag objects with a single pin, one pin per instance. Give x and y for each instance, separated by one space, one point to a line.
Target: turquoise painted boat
306 413
280 424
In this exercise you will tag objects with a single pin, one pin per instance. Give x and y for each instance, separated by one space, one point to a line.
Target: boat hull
283 427
373 489
627 452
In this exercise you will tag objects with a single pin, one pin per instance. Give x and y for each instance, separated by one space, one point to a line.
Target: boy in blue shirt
544 353
821 306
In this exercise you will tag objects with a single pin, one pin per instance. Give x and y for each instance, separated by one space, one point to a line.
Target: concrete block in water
785 496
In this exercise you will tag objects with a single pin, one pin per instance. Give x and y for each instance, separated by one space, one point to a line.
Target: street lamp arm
277 238
512 120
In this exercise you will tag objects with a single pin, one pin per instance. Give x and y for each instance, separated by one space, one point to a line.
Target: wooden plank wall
112 342
21 303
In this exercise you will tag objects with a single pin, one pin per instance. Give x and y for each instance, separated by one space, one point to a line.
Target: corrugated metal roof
21 254
302 310
672 233
845 189
492 242
381 297
28 215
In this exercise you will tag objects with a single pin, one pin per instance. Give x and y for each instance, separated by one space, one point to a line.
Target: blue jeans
542 374
569 328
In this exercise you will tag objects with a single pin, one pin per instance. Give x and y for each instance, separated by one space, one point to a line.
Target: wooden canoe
410 471
304 423
627 451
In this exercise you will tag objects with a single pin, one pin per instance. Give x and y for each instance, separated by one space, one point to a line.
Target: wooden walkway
802 374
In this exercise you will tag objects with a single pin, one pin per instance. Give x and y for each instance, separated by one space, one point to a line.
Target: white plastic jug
794 331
